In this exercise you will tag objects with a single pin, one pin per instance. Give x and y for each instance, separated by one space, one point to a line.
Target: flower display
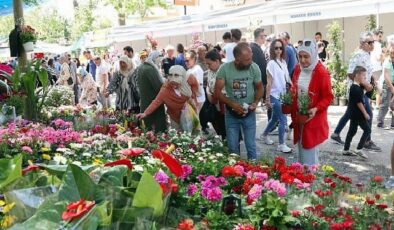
77 209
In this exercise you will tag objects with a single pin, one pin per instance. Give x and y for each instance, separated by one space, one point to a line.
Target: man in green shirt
241 79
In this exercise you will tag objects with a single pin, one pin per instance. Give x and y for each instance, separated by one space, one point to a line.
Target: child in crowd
358 114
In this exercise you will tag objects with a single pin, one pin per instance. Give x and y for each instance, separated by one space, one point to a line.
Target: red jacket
314 131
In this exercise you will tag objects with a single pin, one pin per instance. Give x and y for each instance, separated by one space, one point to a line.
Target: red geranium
382 206
369 201
126 162
77 209
229 171
186 224
377 179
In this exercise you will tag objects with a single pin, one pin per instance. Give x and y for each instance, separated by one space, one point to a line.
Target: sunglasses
278 48
306 43
370 42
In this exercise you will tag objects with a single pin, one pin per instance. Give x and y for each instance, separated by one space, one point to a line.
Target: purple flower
255 192
213 194
191 189
276 186
201 178
161 177
187 170
27 149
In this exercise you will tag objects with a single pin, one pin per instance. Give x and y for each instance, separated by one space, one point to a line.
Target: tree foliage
127 7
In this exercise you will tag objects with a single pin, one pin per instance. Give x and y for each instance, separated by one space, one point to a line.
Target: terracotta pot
301 119
286 109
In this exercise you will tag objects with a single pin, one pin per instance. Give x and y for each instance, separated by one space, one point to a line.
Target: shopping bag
189 121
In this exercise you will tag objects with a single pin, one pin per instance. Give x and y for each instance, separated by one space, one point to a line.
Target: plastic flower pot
286 109
301 119
28 46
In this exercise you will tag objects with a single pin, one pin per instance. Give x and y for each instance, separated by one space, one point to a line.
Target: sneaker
361 153
348 153
289 134
370 145
390 182
335 137
266 140
284 148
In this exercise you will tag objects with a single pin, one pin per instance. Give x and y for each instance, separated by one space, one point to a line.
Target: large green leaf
113 176
78 185
59 170
48 216
10 170
149 194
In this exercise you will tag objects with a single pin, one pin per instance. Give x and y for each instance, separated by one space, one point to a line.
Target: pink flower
261 176
186 171
213 194
27 149
240 169
161 177
276 186
255 192
191 189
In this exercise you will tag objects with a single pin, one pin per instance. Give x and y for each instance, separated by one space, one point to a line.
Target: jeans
353 130
233 127
384 106
277 115
345 118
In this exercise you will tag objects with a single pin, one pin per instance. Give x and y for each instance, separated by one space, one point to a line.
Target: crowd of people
225 84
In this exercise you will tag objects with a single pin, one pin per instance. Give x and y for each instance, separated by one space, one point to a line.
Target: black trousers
353 130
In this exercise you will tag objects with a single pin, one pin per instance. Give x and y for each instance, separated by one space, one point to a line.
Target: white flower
212 157
86 154
232 162
77 163
192 150
201 158
209 142
76 146
138 168
219 154
60 159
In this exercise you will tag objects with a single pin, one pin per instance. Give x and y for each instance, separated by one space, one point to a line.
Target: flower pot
342 101
28 46
286 109
335 101
301 119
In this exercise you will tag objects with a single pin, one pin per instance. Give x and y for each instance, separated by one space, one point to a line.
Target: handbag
288 84
70 81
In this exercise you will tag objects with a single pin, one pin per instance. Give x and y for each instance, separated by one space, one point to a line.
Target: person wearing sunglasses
360 58
311 78
277 77
195 71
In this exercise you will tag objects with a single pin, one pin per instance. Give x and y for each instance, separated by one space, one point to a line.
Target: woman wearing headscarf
174 94
311 78
88 87
125 99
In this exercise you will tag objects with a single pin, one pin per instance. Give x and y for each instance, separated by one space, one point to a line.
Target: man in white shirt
101 81
236 35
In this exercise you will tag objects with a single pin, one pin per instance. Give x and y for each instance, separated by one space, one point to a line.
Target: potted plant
303 107
286 100
28 37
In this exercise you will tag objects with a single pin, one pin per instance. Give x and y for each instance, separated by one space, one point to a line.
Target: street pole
184 9
18 20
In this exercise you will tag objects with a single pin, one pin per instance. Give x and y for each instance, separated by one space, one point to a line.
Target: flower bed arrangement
113 175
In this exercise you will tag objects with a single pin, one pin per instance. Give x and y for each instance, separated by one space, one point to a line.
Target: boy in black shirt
358 114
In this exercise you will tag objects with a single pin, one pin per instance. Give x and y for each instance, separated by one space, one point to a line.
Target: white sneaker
266 140
288 133
284 148
361 153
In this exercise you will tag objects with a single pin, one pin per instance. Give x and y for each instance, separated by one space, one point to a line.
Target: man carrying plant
241 79
360 58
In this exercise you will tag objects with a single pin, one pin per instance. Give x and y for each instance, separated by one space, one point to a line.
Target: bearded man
241 79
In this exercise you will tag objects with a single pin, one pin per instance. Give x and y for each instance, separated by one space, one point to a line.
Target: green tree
83 21
127 7
7 24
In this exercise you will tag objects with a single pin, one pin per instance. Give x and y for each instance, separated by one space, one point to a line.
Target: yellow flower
44 149
2 203
97 162
46 157
170 149
7 221
8 207
30 162
126 124
328 168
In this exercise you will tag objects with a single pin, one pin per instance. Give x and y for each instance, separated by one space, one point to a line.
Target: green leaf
114 176
10 170
48 216
59 170
149 194
78 185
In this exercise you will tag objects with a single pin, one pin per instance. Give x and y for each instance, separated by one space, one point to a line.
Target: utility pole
18 21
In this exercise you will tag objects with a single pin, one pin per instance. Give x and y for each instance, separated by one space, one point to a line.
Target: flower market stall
84 168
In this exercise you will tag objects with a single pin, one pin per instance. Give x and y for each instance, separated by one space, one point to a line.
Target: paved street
357 168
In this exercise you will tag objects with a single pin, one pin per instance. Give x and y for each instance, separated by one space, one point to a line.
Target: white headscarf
311 49
129 63
184 87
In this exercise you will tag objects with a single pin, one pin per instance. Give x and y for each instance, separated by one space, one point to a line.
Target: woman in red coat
311 77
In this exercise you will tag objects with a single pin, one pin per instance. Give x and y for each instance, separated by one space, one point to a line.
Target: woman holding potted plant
277 78
312 95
